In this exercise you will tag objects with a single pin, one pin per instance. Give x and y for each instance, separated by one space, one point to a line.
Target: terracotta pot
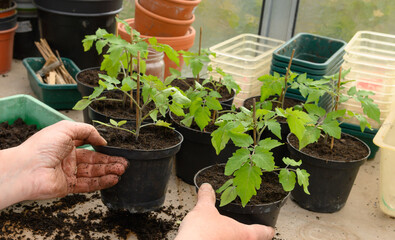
174 9
8 11
177 43
151 24
6 49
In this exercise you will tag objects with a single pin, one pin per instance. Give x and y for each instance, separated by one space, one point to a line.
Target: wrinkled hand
205 222
51 166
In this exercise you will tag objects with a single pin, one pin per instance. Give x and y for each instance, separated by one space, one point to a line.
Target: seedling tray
57 96
296 68
311 51
31 110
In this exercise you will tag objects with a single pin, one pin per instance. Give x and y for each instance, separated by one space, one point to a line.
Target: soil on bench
12 135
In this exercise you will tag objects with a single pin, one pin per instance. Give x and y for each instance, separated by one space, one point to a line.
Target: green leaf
225 186
202 117
332 128
247 180
228 196
287 179
213 103
311 135
163 124
99 46
154 115
176 109
238 159
274 127
303 179
336 114
352 91
371 109
113 122
290 162
263 159
82 104
269 143
240 138
314 109
219 139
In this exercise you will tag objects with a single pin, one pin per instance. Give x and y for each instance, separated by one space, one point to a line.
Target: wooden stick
337 101
282 97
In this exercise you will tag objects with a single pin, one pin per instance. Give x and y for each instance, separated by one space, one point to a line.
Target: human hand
49 165
205 222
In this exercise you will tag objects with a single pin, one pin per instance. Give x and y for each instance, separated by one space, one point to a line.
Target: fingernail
206 187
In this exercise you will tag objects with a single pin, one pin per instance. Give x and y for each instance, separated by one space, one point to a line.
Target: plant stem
337 100
214 117
200 49
282 97
138 110
254 120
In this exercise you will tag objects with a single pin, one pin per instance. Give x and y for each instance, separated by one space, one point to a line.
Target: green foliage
120 60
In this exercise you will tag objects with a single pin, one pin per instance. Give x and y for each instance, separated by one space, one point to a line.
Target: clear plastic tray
362 59
373 46
374 79
368 68
246 49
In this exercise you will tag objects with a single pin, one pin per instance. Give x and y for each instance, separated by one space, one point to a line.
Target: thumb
206 195
262 231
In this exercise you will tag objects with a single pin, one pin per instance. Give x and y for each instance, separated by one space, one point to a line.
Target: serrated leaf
269 143
219 139
238 159
287 179
314 109
303 179
163 124
311 135
202 117
290 162
247 180
371 109
228 196
274 127
332 128
263 159
213 103
177 110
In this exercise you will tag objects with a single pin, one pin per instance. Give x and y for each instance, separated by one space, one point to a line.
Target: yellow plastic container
385 139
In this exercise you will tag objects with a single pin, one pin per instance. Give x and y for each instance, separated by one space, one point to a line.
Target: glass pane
220 20
342 19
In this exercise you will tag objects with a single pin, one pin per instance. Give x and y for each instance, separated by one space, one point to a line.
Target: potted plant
331 157
251 170
201 113
143 186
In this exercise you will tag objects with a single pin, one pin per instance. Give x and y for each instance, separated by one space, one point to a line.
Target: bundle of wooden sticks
53 71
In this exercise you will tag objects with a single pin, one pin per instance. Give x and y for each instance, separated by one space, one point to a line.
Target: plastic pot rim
114 12
235 205
85 69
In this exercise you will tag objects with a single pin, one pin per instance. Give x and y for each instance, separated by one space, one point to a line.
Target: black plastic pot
83 88
197 152
265 214
330 182
143 186
65 23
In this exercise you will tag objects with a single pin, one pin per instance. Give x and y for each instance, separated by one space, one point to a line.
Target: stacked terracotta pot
169 21
8 25
164 18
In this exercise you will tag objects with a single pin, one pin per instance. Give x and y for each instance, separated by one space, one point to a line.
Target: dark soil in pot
150 138
58 220
332 173
288 102
185 84
16 133
90 76
116 110
262 208
345 149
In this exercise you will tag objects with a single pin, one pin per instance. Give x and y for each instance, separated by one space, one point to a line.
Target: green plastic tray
31 110
57 96
311 51
299 69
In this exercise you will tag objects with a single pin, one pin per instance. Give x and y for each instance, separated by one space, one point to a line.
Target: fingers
93 184
81 133
206 195
91 157
261 231
98 170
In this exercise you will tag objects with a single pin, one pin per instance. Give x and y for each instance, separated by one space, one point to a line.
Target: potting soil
12 135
